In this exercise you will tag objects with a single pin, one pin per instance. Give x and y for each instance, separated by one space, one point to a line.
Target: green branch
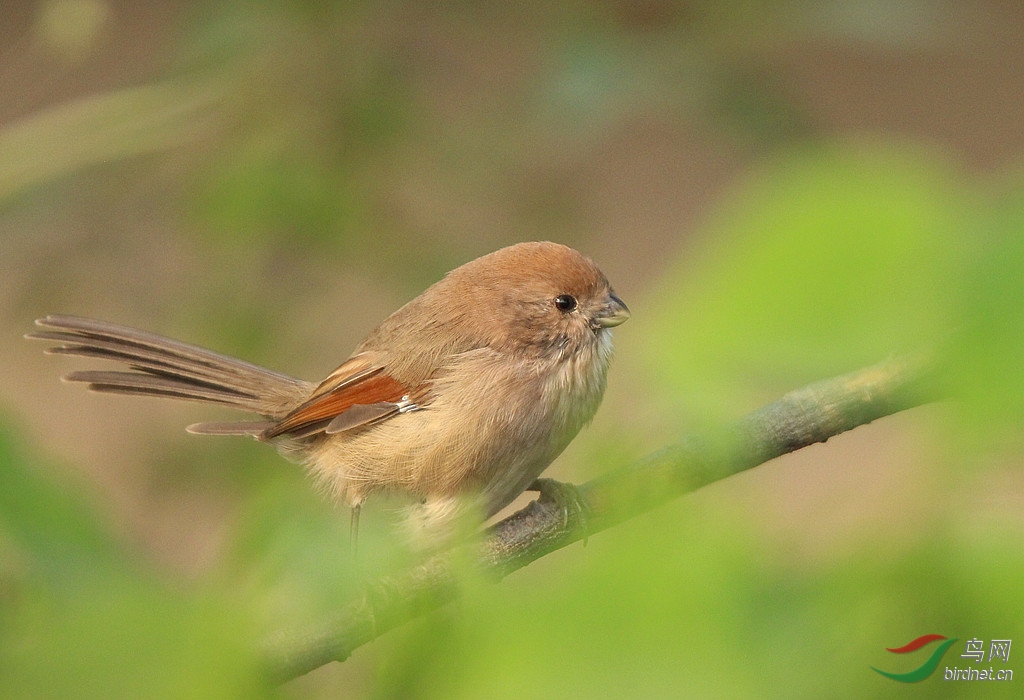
564 515
99 129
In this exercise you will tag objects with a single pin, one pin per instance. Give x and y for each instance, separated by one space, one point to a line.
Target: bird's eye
566 303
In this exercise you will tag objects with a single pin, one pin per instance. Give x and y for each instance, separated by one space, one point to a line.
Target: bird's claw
567 497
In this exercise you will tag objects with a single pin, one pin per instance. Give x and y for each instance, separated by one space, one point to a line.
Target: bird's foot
567 497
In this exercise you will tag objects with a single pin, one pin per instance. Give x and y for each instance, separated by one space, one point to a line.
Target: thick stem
800 418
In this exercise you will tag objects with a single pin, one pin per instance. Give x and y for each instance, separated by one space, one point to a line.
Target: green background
781 192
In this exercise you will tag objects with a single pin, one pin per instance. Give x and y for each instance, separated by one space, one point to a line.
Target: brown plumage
460 398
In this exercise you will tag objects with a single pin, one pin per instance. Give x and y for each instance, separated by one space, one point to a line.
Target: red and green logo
928 667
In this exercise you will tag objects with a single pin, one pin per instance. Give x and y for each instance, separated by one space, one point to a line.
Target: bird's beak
613 313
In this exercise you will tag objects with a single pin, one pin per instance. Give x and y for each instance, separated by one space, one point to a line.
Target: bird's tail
160 366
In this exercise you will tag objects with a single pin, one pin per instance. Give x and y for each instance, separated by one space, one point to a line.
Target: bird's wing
358 393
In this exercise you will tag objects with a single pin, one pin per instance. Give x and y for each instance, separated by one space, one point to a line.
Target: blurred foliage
987 363
313 130
79 618
720 616
823 260
310 139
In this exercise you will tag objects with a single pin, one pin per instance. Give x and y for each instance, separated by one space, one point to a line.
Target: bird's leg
353 532
567 497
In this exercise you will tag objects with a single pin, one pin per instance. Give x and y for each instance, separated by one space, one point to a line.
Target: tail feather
254 428
156 385
165 367
139 357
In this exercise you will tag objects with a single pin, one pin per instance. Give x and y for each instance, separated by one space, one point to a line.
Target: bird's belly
464 444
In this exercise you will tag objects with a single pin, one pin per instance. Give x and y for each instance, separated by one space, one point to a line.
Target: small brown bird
460 399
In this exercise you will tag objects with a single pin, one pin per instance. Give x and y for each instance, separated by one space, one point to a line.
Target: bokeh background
780 191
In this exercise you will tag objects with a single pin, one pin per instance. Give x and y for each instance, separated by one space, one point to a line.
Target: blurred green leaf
316 106
52 526
79 618
988 353
96 130
696 602
121 636
271 196
825 259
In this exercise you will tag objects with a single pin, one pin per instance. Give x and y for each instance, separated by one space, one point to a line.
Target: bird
458 400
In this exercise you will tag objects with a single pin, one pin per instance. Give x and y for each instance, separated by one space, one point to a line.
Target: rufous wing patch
352 384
